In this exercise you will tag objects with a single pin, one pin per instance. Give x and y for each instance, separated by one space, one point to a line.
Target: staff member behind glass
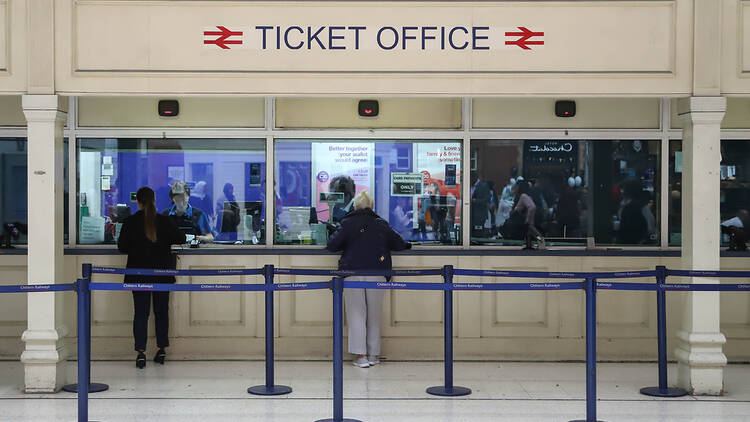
146 237
189 220
366 241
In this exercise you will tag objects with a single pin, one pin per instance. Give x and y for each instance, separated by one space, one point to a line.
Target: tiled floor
393 391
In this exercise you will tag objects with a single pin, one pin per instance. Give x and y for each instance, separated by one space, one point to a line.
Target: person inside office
190 220
345 185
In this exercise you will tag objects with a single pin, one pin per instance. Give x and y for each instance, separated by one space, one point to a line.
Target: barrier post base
587 420
444 391
338 420
666 392
274 390
94 387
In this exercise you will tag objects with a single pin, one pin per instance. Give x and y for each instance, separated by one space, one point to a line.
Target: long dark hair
145 196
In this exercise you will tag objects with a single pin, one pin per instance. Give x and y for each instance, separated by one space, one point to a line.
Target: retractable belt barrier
38 288
589 282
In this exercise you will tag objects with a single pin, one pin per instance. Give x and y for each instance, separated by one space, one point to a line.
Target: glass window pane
225 179
675 193
734 199
605 191
416 187
14 188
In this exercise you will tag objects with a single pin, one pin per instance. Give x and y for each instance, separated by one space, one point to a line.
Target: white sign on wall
493 38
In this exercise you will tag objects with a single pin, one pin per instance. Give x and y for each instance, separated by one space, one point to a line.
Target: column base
44 360
701 363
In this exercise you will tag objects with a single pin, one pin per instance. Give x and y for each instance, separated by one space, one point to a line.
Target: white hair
362 200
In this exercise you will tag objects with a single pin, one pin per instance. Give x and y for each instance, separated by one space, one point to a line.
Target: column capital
687 107
44 108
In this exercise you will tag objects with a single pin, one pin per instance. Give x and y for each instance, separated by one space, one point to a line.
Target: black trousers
141 306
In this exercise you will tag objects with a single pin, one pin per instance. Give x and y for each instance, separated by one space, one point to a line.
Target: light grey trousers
364 310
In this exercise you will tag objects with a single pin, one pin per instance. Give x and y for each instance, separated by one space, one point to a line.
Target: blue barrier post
338 352
83 352
93 387
661 321
269 388
590 286
448 389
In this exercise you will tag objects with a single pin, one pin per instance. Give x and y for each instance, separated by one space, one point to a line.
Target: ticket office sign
357 37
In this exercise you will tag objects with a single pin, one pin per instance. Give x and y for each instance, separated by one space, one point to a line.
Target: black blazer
366 240
143 253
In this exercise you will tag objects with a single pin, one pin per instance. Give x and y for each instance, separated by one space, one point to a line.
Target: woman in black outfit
146 237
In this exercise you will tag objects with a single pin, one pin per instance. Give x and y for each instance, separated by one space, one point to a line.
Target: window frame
468 134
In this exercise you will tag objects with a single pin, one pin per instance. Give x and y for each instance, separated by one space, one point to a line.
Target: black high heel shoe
140 361
160 356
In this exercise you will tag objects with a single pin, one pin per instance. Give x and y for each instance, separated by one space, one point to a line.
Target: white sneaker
373 360
361 363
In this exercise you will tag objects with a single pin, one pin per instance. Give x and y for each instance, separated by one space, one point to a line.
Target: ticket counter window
14 190
734 197
224 186
585 192
416 187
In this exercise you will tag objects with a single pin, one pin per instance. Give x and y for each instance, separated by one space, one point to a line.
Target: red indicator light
167 112
368 111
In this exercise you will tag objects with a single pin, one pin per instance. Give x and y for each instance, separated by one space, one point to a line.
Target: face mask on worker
180 204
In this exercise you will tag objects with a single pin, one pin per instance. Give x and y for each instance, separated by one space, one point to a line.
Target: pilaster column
700 357
45 354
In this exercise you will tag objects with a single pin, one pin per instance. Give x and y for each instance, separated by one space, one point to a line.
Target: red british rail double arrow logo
223 35
525 34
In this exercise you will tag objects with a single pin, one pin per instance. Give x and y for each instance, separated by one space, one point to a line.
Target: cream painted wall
737 116
91 70
11 113
735 47
591 113
13 47
194 112
488 325
442 113
4 31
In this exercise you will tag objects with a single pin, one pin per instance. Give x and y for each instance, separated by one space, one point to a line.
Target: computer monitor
121 212
332 197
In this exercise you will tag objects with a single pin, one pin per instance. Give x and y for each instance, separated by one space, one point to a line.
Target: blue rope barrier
164 287
315 285
627 286
722 274
590 285
541 274
518 286
160 272
390 285
705 287
30 288
349 273
463 286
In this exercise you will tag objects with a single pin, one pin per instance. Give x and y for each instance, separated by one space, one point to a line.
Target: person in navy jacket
366 241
